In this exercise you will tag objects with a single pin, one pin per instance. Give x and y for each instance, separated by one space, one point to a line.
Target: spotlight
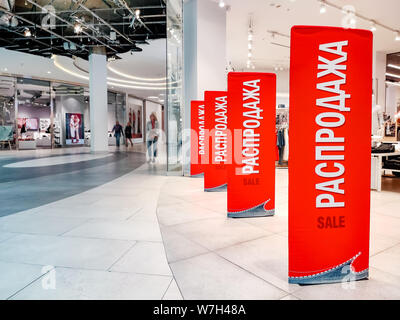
137 13
249 45
77 28
249 54
373 27
250 36
397 38
27 33
221 3
322 8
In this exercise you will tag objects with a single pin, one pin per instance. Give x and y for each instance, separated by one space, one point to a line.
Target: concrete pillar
98 101
205 59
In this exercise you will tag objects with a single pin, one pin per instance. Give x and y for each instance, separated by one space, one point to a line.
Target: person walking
128 134
118 130
152 128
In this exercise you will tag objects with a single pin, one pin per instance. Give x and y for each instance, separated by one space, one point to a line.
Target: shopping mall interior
96 205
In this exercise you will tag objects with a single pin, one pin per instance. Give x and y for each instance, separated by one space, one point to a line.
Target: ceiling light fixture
322 8
78 28
373 26
397 38
27 32
393 66
392 75
137 13
221 3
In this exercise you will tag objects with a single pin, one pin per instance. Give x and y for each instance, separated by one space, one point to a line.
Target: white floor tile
173 292
63 251
30 223
211 277
178 247
219 232
134 229
144 257
266 258
74 284
15 276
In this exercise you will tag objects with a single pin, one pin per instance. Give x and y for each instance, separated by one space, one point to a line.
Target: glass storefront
7 111
43 114
174 99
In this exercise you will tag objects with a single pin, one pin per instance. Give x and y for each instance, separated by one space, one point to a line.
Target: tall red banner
251 114
197 138
330 154
216 118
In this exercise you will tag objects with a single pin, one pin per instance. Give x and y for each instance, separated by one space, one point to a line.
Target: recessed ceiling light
322 8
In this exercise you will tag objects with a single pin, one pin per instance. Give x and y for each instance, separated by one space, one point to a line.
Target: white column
98 102
204 57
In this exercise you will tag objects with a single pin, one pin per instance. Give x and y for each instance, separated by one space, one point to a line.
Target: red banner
216 109
330 154
197 138
251 114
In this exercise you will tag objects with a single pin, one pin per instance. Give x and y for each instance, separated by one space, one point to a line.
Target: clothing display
392 164
280 142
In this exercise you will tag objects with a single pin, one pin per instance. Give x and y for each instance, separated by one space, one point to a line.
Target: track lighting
27 32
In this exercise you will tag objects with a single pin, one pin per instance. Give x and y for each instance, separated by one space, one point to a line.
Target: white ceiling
150 63
281 15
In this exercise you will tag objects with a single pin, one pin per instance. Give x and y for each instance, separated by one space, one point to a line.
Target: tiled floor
215 257
101 243
143 235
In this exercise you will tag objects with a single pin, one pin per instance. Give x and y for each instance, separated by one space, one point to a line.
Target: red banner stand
251 176
330 154
216 118
197 138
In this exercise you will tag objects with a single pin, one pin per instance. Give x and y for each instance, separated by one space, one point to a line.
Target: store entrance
34 114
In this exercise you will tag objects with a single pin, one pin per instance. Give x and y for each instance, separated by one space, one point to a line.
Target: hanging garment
286 150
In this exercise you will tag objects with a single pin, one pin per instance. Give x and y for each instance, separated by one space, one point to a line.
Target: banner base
200 175
221 188
259 211
340 273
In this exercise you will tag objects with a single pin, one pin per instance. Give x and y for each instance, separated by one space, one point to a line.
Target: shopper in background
152 128
118 130
128 134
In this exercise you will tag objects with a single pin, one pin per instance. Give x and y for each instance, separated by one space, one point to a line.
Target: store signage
251 114
330 154
197 138
216 122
